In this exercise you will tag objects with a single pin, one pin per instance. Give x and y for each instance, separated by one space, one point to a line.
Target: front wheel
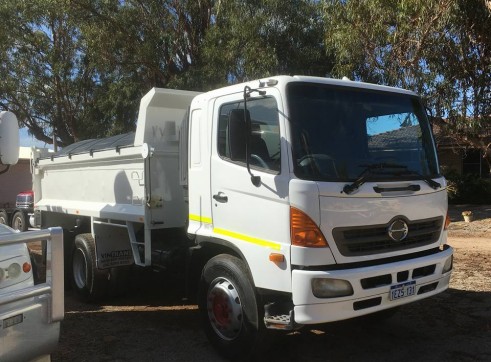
228 306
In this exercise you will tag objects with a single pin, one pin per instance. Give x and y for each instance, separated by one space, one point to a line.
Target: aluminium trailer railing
40 307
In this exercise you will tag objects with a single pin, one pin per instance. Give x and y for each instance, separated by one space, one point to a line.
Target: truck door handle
220 197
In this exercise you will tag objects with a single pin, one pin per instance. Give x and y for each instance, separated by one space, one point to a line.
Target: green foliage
384 41
468 189
48 78
79 68
251 39
38 54
440 49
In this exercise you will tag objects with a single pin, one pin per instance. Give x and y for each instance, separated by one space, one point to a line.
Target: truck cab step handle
220 197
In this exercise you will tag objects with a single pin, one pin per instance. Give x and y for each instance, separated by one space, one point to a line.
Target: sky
27 140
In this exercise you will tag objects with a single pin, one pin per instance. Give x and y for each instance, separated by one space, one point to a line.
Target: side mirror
9 138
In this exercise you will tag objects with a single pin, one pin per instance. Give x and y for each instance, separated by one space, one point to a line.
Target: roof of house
405 137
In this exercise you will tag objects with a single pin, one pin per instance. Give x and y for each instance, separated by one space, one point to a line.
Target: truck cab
329 190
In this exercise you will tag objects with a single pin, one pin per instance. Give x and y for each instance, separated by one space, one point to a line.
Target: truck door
255 219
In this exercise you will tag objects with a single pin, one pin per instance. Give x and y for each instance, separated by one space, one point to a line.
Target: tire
4 218
90 283
19 221
229 308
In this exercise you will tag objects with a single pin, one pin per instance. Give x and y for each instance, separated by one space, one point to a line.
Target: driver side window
264 137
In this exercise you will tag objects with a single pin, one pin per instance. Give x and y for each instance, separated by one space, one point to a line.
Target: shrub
468 189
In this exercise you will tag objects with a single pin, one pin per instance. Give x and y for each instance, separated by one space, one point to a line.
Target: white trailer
300 200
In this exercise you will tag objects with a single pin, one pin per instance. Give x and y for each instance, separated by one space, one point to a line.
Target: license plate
12 321
402 290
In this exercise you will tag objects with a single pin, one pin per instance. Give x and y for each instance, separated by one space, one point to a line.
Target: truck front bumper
371 287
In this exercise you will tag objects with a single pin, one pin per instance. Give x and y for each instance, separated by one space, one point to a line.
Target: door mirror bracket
256 180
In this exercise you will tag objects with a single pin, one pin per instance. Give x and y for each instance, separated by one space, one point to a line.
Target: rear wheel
88 282
4 218
19 221
227 302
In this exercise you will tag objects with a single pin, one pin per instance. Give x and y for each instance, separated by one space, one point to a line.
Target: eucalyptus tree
77 69
203 44
148 42
385 41
251 39
463 62
440 49
45 78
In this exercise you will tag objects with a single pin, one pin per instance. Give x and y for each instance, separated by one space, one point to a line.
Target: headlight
14 270
331 288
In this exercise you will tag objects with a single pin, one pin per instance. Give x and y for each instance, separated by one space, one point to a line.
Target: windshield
339 132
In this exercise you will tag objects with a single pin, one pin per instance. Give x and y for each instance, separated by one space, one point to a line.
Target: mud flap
112 245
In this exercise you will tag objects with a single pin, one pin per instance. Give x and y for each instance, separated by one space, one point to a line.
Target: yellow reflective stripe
204 219
247 238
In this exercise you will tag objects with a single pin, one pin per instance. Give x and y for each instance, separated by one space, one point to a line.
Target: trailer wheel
227 303
4 218
90 283
19 221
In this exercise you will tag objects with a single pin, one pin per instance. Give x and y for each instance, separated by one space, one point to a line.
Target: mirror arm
256 180
7 167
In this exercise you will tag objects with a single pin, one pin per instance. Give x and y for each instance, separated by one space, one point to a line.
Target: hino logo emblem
398 230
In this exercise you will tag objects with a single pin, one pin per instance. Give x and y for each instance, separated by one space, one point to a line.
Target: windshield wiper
433 184
367 172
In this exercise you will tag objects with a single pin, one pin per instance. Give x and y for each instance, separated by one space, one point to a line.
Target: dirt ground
153 323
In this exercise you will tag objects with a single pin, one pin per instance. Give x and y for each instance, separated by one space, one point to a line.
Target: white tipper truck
302 200
31 301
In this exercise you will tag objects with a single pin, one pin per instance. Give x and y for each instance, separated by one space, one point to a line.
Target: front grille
367 240
24 201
